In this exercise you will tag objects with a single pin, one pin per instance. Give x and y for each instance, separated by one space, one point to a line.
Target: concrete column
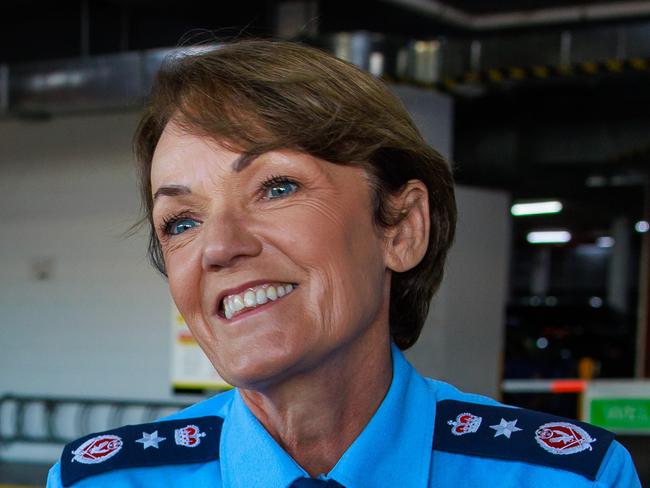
618 275
642 366
540 278
462 340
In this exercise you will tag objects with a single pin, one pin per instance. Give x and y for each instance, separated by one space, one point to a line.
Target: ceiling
478 7
36 29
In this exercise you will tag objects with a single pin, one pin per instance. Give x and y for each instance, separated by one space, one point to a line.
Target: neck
316 415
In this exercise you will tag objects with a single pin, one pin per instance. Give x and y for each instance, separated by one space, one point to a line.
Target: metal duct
122 81
526 18
519 55
89 84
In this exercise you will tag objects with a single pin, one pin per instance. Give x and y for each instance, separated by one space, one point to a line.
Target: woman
303 225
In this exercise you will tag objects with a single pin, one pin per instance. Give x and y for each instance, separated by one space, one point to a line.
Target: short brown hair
256 96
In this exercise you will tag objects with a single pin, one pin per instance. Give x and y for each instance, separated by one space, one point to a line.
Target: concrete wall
462 340
67 195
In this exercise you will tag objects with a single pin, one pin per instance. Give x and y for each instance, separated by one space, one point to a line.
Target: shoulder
493 436
445 391
216 405
186 437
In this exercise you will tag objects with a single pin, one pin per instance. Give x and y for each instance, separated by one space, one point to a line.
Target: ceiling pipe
435 9
546 16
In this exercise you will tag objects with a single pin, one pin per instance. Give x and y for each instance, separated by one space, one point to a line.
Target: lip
237 290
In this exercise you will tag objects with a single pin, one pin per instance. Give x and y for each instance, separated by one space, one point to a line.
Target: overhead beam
525 18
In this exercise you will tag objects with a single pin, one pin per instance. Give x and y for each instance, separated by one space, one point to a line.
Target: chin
254 371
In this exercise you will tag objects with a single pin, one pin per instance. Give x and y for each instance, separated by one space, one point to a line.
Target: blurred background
541 105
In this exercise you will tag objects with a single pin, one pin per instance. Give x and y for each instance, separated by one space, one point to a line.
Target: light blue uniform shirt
394 450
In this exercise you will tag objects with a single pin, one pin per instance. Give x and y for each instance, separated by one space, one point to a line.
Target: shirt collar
242 435
394 449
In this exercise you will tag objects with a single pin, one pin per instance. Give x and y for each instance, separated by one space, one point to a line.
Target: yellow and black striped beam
497 76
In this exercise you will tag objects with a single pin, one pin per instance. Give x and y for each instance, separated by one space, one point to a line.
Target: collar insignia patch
128 447
97 449
563 438
516 434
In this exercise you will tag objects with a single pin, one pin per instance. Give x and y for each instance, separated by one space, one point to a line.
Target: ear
407 241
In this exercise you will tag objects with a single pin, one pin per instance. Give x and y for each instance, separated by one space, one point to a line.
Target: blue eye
280 188
181 225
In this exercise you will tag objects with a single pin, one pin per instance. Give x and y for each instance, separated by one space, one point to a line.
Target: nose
226 241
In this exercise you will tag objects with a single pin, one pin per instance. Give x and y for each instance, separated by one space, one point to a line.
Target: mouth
251 297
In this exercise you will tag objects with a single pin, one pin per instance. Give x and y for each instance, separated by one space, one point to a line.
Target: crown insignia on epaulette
465 423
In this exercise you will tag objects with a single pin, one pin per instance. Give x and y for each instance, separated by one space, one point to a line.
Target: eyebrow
239 164
171 191
243 161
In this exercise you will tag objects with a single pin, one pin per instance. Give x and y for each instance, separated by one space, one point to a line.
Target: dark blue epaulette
520 435
179 441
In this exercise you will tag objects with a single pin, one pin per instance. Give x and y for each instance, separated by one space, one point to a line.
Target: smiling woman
252 229
303 225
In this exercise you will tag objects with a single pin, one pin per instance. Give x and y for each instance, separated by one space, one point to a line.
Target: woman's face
276 265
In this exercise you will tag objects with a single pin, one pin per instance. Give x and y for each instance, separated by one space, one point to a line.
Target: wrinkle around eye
172 242
332 212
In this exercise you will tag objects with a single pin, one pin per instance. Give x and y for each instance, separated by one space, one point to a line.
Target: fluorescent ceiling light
642 226
549 237
536 208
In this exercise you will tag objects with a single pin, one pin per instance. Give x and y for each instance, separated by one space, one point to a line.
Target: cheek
341 252
184 275
356 282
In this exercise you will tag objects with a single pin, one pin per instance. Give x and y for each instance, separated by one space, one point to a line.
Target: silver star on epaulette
150 440
505 428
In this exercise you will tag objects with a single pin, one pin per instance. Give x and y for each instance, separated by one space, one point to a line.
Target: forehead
180 156
194 161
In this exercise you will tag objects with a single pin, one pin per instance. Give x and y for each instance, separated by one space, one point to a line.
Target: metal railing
51 420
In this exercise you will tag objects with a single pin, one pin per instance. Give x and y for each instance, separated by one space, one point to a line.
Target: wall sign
190 368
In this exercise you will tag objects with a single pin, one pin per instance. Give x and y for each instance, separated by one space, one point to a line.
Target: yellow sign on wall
190 368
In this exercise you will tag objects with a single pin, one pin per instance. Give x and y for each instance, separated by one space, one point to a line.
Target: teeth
271 293
249 299
237 303
254 297
260 296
